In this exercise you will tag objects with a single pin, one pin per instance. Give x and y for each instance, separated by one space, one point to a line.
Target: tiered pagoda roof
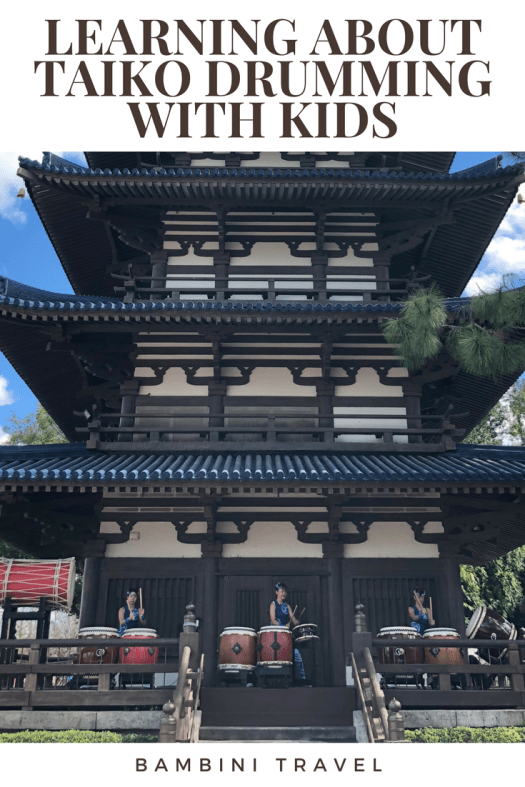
89 250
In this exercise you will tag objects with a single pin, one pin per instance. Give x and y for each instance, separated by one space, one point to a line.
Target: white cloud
505 254
4 436
11 206
6 396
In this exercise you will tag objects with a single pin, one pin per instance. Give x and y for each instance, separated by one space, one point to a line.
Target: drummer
129 617
281 615
420 616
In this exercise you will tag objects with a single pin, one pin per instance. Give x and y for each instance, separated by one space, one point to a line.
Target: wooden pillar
319 265
216 393
333 554
325 398
94 552
129 390
412 397
454 594
159 265
210 611
221 265
382 272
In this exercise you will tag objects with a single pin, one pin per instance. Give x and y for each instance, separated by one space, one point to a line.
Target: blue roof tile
55 164
73 462
13 293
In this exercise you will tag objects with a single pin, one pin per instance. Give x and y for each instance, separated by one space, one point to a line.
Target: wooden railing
273 431
48 673
259 285
498 682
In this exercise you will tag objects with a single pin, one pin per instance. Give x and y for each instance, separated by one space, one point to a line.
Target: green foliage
12 553
517 409
498 585
477 336
416 332
74 736
36 428
467 735
490 430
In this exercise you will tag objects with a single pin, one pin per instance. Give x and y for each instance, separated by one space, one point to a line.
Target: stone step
272 734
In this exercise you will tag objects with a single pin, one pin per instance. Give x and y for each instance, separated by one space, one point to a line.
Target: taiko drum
489 624
274 646
132 653
26 581
396 654
237 649
435 655
105 654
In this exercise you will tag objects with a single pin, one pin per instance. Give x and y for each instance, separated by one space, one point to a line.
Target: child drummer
129 617
281 615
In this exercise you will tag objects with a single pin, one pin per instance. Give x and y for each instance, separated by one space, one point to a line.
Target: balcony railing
50 673
273 432
258 285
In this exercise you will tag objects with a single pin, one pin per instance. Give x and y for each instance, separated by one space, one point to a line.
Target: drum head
141 633
475 622
407 631
239 630
98 631
274 628
441 633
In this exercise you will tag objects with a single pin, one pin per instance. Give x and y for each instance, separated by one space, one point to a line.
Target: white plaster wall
367 383
174 384
157 539
392 539
276 382
362 423
272 539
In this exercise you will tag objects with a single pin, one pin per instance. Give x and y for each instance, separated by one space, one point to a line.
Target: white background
438 122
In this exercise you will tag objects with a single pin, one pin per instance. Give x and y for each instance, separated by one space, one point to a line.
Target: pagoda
235 415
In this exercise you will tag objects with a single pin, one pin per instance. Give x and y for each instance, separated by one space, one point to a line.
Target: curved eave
55 382
87 248
488 466
409 162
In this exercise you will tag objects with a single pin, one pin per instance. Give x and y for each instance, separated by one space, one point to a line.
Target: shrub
74 736
467 735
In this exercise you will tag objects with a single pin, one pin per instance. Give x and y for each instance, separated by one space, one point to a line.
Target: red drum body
488 624
135 654
274 647
98 655
25 581
305 633
435 655
400 655
237 649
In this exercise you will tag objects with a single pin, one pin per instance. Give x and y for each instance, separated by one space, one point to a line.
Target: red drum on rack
400 655
26 581
274 646
237 646
305 633
488 624
107 654
136 654
440 655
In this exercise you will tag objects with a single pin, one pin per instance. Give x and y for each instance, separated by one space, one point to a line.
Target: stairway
261 715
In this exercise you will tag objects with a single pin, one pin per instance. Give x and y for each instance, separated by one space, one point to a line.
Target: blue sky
27 256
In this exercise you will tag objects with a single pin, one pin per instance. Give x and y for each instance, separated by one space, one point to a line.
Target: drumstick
293 613
140 597
431 613
300 616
